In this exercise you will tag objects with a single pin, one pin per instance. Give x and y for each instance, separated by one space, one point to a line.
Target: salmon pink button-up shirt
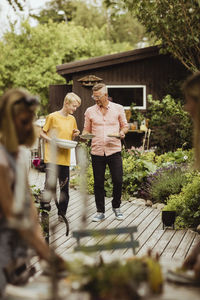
102 125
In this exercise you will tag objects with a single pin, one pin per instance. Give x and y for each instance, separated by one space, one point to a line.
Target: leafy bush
164 182
135 169
170 124
139 171
90 178
187 203
37 195
169 177
179 156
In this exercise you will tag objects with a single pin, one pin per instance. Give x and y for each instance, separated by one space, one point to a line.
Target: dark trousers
99 163
63 178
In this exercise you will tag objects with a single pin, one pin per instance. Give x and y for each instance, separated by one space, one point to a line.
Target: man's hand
122 134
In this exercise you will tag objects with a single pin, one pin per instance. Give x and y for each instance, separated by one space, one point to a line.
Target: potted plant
168 218
136 116
118 279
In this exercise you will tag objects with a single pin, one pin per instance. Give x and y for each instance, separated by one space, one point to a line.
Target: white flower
185 157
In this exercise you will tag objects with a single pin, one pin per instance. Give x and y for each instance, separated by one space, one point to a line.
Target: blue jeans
63 178
114 163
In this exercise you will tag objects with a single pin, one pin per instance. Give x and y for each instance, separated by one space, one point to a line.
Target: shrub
187 203
135 169
90 180
164 182
139 171
170 124
179 156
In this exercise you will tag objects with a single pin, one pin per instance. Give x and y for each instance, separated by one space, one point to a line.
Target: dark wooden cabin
130 77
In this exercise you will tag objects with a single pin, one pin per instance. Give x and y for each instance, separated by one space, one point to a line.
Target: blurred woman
19 226
191 89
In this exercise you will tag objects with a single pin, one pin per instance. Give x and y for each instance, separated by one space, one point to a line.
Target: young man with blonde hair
103 119
62 124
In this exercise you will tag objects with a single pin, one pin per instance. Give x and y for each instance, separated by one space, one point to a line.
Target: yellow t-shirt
63 128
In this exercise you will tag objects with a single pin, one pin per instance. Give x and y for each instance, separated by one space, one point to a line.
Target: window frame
144 106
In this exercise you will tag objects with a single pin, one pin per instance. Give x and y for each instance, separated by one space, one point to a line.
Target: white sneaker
118 214
98 217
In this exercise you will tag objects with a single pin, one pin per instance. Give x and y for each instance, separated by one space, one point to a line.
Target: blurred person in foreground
103 119
61 124
19 225
191 89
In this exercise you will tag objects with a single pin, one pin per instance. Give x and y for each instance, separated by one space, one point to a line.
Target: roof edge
106 60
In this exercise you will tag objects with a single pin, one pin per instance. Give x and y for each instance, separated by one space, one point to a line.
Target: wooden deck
172 245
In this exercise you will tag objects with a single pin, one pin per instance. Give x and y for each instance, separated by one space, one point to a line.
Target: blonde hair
191 89
72 97
12 103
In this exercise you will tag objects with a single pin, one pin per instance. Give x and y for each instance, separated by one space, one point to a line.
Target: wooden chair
102 233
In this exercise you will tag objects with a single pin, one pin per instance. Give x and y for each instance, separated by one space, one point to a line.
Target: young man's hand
76 132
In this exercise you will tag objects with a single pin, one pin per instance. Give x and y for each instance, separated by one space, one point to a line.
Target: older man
103 119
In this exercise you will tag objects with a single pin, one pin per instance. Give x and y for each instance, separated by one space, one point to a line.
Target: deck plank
185 245
174 243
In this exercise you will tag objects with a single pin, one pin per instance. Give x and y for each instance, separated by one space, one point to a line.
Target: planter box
168 218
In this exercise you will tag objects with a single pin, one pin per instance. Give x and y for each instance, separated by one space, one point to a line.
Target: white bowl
66 144
40 122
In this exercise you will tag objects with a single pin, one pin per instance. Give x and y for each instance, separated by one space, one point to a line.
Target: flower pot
128 114
168 218
133 126
36 162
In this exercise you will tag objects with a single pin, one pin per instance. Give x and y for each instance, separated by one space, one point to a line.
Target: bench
113 244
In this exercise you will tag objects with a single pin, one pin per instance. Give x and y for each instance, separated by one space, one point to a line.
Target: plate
186 278
87 136
114 135
66 144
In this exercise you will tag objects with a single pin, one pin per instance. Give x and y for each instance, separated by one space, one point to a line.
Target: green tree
57 11
29 58
121 27
175 25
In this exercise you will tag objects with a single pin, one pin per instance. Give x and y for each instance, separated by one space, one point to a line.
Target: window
128 94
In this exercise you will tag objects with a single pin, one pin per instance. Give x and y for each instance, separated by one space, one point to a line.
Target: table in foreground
40 288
